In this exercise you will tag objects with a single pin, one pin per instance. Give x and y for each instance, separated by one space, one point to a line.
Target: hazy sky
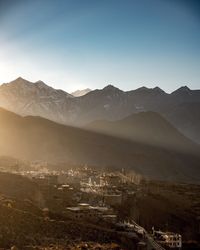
73 44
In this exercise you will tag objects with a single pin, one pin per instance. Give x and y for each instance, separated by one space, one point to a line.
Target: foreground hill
19 187
35 138
168 206
181 107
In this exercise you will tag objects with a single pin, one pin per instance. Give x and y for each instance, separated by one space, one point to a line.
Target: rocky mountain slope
35 138
27 98
181 107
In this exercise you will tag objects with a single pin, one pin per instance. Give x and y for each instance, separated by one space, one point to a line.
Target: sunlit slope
35 138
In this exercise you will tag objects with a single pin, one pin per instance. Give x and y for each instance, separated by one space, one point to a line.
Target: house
82 211
168 239
110 180
86 212
112 199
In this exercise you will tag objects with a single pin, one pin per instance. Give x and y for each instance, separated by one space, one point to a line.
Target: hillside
186 116
146 127
166 206
35 138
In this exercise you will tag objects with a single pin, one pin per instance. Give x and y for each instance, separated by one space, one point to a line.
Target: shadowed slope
149 128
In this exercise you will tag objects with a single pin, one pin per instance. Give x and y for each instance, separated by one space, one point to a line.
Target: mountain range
35 138
181 107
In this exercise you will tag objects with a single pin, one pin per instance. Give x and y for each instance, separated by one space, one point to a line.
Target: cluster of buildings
113 188
84 194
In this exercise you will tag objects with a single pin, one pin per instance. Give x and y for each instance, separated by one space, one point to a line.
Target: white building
169 239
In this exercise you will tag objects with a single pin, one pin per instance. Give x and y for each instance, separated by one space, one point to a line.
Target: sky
75 44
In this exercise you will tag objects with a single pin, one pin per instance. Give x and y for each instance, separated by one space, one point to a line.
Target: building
110 180
112 218
81 212
112 199
86 212
46 180
168 239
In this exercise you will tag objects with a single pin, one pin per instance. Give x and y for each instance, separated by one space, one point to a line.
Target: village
96 197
